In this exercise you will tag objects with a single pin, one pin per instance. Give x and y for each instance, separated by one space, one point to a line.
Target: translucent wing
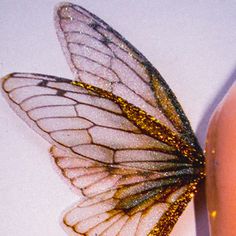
69 117
118 133
125 201
100 56
129 164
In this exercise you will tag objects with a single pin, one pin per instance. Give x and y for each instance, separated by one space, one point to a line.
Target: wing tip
61 5
8 76
4 79
69 229
13 74
66 226
58 7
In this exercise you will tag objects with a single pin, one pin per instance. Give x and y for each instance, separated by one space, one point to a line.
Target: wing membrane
100 56
75 118
99 216
118 134
141 174
93 177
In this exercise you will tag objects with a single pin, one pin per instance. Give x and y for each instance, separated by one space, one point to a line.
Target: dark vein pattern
118 133
138 172
100 56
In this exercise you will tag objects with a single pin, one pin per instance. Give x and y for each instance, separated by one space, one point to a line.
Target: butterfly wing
128 202
100 56
124 140
132 179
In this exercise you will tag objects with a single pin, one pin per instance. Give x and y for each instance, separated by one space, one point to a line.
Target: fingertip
221 167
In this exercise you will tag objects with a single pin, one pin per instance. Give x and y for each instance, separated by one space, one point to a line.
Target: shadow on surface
202 228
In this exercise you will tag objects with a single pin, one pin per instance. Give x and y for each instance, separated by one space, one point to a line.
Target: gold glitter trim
169 219
148 124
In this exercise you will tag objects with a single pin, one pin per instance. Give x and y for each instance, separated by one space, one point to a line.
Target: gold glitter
148 124
146 185
168 220
154 128
213 214
164 102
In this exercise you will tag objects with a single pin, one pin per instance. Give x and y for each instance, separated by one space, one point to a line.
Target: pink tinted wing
100 56
93 177
123 141
131 178
73 118
122 200
100 216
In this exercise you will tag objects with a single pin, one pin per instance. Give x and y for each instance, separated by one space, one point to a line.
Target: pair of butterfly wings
118 134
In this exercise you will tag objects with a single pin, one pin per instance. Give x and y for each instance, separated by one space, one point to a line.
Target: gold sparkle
148 124
156 129
213 214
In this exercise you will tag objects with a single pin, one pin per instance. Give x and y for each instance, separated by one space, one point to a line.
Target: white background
193 45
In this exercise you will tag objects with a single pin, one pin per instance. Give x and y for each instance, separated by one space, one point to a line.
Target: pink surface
221 167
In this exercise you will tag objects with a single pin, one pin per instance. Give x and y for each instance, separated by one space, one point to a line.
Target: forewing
74 118
100 56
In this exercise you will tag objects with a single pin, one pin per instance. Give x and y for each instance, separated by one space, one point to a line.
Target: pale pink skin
221 167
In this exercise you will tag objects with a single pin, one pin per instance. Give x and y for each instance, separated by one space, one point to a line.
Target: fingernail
221 167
